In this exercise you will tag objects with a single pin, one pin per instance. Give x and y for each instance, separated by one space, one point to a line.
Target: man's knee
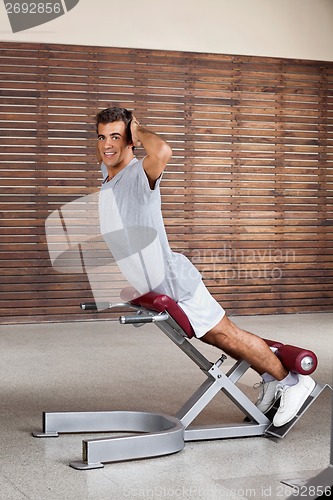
209 338
221 331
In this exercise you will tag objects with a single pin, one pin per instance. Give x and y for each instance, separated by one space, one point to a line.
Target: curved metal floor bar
163 435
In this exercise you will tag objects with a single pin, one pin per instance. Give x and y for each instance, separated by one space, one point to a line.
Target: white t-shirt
132 225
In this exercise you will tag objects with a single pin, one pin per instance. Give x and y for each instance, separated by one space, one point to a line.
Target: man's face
112 145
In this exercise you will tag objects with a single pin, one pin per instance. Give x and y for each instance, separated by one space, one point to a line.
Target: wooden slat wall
248 194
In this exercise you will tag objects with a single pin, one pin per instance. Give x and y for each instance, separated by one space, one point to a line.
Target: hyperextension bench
157 434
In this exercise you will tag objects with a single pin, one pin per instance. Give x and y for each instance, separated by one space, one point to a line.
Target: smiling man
117 139
136 201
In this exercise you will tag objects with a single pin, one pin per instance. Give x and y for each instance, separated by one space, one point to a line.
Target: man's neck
113 171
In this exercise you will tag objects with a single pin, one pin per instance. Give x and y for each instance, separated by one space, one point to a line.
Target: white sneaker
292 399
267 395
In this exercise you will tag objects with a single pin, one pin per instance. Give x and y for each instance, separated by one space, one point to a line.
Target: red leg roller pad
296 359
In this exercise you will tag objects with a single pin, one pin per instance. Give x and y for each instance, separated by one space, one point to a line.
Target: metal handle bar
94 306
130 320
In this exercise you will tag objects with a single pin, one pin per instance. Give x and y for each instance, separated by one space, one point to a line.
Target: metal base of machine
162 435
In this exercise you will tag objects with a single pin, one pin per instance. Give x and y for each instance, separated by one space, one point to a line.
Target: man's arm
158 151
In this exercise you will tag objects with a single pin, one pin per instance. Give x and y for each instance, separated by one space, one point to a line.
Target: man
135 187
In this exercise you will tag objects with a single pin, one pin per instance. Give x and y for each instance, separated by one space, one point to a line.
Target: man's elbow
165 153
158 159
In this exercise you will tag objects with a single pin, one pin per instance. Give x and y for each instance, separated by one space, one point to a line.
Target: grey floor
106 366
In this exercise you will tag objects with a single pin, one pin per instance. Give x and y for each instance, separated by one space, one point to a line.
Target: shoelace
280 392
260 385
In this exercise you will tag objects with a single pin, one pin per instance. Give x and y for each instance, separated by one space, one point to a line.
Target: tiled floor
106 366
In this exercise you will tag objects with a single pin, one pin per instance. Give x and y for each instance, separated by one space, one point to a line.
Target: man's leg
277 381
240 344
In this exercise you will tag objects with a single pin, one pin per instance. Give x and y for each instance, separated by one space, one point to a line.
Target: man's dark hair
115 114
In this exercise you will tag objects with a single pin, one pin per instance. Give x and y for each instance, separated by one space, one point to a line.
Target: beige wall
279 28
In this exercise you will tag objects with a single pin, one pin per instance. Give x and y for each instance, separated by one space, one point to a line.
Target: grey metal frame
161 434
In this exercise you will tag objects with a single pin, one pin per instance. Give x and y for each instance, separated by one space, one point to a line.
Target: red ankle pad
295 359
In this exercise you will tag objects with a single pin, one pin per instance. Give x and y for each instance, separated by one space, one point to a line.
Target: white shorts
202 310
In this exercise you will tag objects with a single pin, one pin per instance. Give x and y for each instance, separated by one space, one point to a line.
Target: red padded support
295 359
161 303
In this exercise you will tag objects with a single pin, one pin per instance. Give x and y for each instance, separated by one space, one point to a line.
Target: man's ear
129 134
